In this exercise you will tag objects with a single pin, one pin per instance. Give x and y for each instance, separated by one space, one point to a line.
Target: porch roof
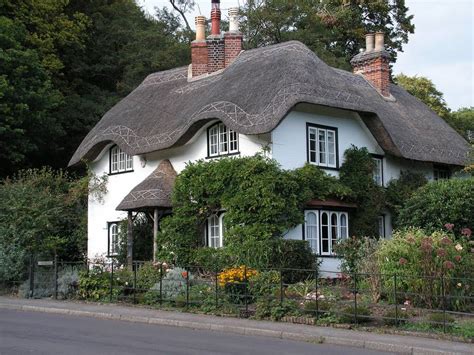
330 203
155 191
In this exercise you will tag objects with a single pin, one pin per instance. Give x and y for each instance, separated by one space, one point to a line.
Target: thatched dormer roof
255 93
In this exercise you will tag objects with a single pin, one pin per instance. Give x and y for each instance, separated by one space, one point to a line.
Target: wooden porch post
130 241
155 233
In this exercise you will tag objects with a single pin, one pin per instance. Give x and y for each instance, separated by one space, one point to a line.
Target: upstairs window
322 145
324 229
378 171
120 162
215 231
113 238
222 140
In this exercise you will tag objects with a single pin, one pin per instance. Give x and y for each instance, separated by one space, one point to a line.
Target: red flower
403 261
448 265
467 232
441 252
449 226
457 258
184 274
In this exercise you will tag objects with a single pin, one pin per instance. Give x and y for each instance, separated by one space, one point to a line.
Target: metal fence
308 296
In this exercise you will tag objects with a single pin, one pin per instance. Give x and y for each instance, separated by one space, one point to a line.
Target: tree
424 89
334 29
462 121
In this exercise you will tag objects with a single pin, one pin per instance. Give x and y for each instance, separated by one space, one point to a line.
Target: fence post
246 291
111 282
55 276
32 276
281 287
317 296
355 298
161 284
216 287
395 295
135 283
187 289
443 293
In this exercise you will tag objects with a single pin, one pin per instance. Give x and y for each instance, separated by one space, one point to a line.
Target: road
41 333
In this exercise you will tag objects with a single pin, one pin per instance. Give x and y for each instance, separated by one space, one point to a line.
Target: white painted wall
119 185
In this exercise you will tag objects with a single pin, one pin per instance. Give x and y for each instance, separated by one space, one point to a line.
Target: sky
441 49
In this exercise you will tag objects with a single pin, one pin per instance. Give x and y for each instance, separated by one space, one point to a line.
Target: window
221 140
322 145
120 161
113 238
378 171
322 237
215 231
441 173
381 225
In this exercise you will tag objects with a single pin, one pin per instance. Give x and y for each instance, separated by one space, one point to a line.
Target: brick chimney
373 63
199 51
233 38
215 42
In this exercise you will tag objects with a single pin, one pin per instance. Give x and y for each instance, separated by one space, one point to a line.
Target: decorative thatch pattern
255 93
154 191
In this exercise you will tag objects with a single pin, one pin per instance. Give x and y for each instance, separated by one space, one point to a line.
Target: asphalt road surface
41 333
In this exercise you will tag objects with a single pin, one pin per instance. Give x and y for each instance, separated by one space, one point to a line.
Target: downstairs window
324 229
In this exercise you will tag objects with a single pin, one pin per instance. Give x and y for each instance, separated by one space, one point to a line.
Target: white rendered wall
119 185
289 148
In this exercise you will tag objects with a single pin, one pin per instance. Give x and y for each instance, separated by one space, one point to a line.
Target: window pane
324 233
213 231
223 139
331 148
334 230
343 229
312 144
213 140
378 171
322 146
381 226
234 146
312 231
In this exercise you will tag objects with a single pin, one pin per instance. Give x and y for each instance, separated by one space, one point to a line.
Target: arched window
344 231
120 161
113 242
221 140
312 230
325 249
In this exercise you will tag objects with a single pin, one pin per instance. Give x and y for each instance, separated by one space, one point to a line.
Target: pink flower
403 261
467 232
448 265
446 241
441 252
406 303
449 226
457 258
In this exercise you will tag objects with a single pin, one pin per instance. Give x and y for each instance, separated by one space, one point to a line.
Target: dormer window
120 162
221 140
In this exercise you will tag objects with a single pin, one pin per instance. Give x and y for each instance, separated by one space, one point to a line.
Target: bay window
324 229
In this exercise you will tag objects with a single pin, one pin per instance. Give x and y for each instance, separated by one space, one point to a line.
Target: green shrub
347 314
147 276
395 318
419 261
322 308
438 319
265 284
273 309
441 202
212 259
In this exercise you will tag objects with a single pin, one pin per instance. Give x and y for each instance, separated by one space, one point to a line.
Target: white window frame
335 232
120 162
215 231
378 171
222 140
113 230
322 150
381 225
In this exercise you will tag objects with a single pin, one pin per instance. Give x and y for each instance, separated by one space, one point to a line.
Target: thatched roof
154 191
255 93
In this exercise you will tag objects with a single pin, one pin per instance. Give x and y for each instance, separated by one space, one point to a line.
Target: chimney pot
200 28
234 19
215 18
369 42
379 41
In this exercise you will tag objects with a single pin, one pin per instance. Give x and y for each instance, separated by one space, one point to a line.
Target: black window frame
110 163
441 168
219 155
336 131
